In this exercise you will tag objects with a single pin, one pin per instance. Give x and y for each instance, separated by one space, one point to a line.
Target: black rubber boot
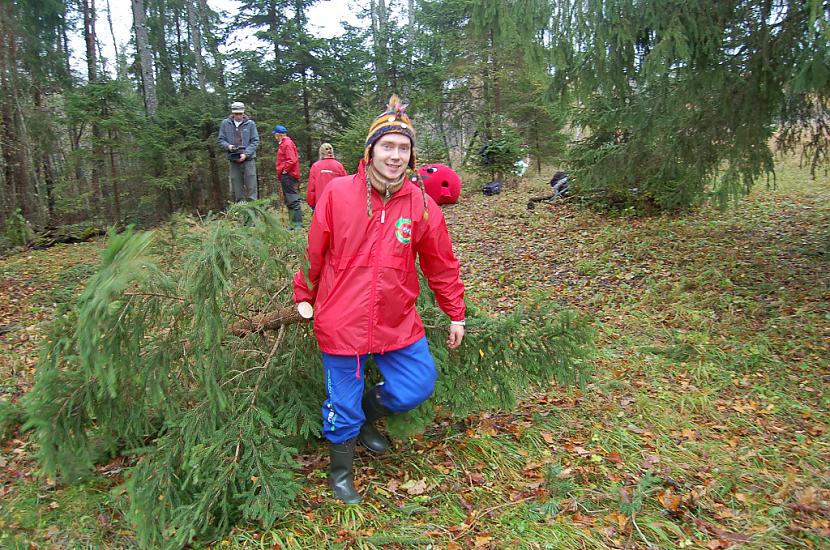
370 437
341 472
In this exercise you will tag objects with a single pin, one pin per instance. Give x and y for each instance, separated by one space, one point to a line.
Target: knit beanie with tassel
393 120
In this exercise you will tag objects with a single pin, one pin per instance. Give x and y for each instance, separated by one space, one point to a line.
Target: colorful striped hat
393 120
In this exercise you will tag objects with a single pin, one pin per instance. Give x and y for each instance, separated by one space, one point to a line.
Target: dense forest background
653 105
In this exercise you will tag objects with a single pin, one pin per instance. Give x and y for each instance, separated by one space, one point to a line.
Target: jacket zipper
375 269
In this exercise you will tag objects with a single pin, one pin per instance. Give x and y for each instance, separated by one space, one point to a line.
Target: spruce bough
145 365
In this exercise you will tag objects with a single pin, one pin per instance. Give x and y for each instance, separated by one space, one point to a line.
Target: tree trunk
378 9
196 42
112 33
383 33
442 128
145 57
13 173
164 65
88 7
273 27
410 49
91 64
38 160
66 49
309 152
44 163
49 179
120 61
495 74
217 191
301 24
100 56
183 80
116 193
496 85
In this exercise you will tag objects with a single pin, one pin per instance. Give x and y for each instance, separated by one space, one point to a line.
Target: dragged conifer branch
214 443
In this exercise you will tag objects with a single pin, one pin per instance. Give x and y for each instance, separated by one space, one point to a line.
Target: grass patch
706 423
78 516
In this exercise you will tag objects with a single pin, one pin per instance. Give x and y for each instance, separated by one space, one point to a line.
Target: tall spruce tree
443 86
166 358
39 26
481 71
681 102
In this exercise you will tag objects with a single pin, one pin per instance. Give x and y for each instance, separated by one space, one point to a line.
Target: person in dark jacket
366 233
239 138
288 173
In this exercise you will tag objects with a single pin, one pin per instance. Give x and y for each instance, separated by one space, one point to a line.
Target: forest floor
706 423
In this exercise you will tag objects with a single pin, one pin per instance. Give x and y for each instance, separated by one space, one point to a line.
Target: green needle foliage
145 366
680 100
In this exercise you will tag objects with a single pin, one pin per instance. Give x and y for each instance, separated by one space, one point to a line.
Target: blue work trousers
408 380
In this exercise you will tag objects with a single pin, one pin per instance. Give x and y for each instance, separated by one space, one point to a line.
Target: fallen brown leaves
724 411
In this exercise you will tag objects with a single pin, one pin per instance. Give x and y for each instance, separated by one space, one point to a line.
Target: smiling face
390 155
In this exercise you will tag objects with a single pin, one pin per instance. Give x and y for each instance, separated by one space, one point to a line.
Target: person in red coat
288 173
321 173
366 233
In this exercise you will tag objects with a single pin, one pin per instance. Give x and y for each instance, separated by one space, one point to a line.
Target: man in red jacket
366 232
321 173
288 173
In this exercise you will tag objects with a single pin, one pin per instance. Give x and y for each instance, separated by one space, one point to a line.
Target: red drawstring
357 372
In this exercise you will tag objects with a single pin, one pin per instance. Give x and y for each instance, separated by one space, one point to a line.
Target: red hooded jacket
362 275
287 161
321 173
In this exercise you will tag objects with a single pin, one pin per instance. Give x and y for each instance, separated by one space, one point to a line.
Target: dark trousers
242 178
291 193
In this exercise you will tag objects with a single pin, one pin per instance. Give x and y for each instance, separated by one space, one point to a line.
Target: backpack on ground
492 188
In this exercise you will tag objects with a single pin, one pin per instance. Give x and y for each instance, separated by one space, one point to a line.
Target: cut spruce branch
214 426
267 321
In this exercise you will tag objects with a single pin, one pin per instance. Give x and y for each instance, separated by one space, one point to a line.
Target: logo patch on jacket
403 230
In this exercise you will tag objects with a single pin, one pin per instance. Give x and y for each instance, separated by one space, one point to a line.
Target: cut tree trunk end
271 320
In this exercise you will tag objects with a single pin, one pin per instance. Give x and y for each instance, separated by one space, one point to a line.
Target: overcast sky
324 21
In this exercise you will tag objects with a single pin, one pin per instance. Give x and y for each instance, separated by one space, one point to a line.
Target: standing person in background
322 172
366 233
239 138
288 173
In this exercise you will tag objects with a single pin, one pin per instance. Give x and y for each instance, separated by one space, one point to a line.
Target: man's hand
242 157
231 147
456 335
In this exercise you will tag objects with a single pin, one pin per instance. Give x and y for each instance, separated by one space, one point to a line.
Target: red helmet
441 183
